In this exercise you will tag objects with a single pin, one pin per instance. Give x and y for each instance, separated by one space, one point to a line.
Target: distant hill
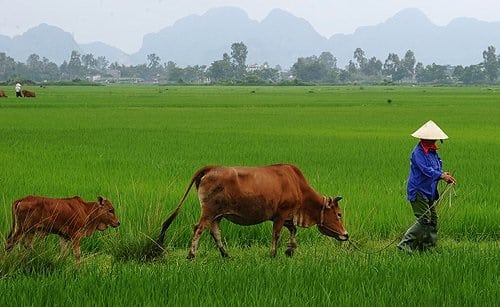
279 39
45 40
112 54
54 44
462 41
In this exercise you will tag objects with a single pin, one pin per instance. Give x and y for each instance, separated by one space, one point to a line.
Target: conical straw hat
430 131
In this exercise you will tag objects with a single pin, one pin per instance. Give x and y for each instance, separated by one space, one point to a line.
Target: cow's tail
195 180
13 228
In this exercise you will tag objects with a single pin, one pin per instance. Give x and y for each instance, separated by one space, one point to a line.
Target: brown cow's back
251 195
268 180
62 215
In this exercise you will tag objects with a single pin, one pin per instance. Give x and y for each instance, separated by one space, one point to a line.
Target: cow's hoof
289 252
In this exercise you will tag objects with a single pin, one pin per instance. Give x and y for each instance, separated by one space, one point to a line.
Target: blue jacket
425 171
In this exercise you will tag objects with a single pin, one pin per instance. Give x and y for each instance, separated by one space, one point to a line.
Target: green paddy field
139 146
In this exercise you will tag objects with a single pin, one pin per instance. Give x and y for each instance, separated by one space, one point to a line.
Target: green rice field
140 145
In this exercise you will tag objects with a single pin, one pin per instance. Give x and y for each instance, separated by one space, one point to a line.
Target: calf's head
330 223
106 214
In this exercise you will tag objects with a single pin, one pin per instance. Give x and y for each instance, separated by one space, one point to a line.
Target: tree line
233 69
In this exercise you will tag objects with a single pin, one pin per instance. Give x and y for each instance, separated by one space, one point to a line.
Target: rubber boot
413 237
430 237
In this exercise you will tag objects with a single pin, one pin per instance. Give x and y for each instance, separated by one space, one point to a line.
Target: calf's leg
27 240
64 244
12 240
76 249
25 237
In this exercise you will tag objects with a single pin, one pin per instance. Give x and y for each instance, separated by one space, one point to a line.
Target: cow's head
106 214
330 223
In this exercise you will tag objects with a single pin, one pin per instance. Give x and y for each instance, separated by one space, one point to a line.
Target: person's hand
448 178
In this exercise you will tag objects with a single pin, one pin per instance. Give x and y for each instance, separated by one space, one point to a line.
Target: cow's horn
100 200
337 198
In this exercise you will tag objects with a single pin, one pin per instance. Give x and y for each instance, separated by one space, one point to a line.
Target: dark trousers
422 235
18 94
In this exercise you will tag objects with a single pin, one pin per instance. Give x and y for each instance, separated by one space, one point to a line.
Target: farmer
422 192
18 90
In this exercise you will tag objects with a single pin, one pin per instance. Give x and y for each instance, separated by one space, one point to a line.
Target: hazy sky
123 23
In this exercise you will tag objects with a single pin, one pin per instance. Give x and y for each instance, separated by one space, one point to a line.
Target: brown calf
251 195
2 94
70 218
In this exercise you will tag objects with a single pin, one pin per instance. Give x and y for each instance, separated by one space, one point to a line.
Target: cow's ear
329 203
100 200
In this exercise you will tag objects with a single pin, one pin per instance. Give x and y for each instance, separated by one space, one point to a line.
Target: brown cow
27 93
251 195
2 94
70 218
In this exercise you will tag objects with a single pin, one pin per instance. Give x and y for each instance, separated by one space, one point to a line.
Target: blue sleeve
425 166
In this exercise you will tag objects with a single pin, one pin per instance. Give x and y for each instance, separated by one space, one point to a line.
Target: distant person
18 90
422 192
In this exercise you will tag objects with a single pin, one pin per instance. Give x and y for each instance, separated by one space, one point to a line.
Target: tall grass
318 275
139 147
